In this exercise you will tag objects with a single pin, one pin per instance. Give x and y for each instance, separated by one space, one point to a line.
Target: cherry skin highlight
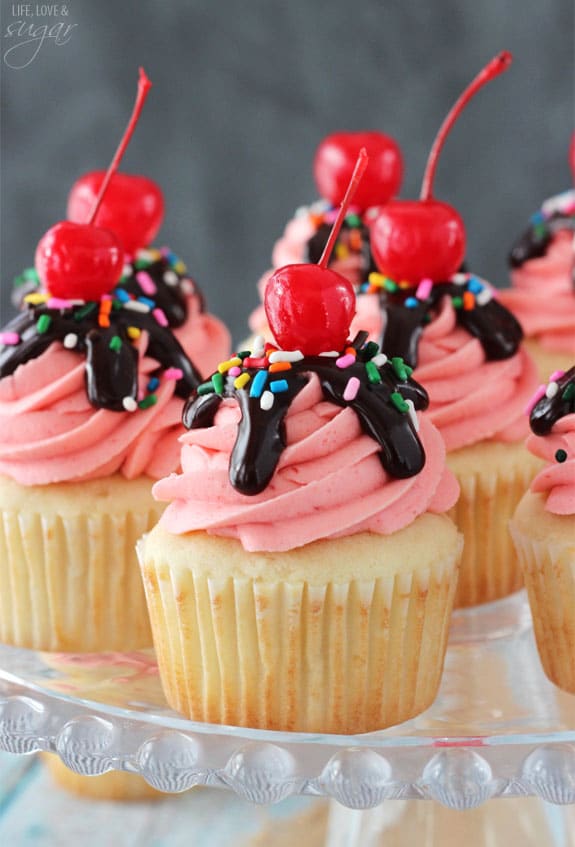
133 206
309 308
75 261
335 160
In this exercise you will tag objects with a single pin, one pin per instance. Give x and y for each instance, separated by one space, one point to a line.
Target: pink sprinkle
165 251
556 375
9 338
106 297
235 371
173 373
59 303
351 388
147 284
424 289
535 399
331 216
345 361
160 317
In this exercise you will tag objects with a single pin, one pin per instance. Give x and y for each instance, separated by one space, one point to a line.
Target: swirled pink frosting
329 481
205 339
557 479
50 433
543 298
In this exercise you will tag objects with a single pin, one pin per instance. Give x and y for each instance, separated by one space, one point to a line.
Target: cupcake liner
493 477
338 657
549 571
69 577
114 785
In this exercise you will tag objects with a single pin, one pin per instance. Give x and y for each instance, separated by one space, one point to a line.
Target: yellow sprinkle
241 380
225 366
155 255
133 332
376 279
341 251
36 299
180 268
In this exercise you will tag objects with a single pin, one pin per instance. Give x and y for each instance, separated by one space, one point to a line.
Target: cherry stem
356 176
498 65
144 86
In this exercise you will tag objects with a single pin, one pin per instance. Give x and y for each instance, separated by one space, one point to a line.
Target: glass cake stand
498 729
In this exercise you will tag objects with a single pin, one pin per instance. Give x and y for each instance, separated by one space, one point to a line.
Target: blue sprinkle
363 287
147 302
121 294
475 285
537 218
278 386
172 258
258 383
411 302
153 383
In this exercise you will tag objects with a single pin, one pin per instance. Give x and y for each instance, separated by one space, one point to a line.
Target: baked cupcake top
542 264
552 421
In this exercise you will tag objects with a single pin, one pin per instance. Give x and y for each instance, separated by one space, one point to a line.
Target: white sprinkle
483 297
127 270
266 401
459 279
319 206
379 360
551 390
258 347
286 356
70 340
170 278
188 287
129 404
136 306
332 354
412 415
558 203
145 256
301 212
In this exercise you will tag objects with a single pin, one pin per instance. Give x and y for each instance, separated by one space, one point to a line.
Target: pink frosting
543 298
204 337
49 432
329 481
557 479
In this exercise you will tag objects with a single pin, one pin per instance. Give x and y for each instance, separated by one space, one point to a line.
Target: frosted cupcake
302 575
542 296
543 529
91 388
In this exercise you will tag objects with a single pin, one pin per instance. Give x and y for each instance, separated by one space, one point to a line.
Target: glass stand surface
498 729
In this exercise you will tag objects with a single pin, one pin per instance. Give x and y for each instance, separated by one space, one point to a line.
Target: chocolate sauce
111 358
534 242
261 436
171 299
549 410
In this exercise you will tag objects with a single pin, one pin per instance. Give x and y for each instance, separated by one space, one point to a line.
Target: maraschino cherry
310 307
335 160
81 260
414 240
572 155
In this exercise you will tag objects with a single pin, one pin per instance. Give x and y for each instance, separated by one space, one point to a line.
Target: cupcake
302 575
114 785
91 392
542 295
306 234
543 528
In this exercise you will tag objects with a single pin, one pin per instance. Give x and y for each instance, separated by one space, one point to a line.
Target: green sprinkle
244 354
457 302
43 323
372 372
398 401
84 311
540 230
569 392
353 220
390 285
140 264
31 273
148 401
115 343
402 370
218 383
370 350
117 304
205 388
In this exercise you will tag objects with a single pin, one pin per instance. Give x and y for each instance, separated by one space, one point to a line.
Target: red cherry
335 159
410 239
572 155
133 206
79 261
310 307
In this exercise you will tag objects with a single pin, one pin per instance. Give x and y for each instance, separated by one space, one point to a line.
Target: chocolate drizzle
535 241
406 315
548 410
382 403
353 238
111 358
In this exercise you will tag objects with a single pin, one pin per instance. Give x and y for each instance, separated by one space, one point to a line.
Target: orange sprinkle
317 220
351 351
105 307
279 366
468 300
103 320
404 284
355 239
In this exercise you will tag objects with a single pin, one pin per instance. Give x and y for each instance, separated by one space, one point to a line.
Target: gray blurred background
243 93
